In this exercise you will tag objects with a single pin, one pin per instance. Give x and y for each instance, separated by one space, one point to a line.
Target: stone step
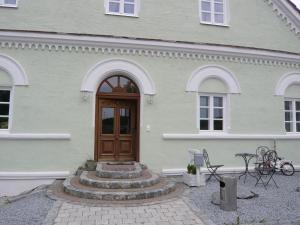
146 179
119 170
73 187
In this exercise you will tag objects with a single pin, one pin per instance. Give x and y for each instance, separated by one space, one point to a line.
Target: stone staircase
118 181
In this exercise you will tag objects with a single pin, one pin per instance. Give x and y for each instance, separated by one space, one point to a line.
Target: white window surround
7 3
285 81
213 71
293 117
121 12
10 108
211 131
212 12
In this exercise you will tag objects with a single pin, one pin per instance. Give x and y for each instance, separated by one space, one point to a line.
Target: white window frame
294 111
212 12
3 4
10 103
211 119
121 12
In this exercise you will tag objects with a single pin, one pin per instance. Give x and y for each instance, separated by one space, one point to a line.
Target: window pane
298 116
204 125
105 88
288 105
298 127
206 17
204 113
114 7
219 1
218 101
205 6
113 81
124 121
108 120
298 106
129 8
3 123
218 113
4 95
204 100
288 116
288 127
218 124
12 2
218 7
4 109
129 1
219 18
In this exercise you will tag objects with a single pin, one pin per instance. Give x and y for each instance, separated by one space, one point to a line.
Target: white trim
154 48
212 22
109 67
285 81
213 71
32 136
220 135
10 103
121 12
8 5
14 69
5 175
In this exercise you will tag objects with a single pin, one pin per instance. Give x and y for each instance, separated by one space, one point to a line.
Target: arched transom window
118 84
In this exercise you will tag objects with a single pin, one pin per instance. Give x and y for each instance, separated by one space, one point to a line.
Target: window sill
8 6
214 24
34 136
120 14
214 136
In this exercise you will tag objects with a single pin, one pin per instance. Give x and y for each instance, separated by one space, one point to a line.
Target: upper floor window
213 12
9 3
122 7
4 108
292 115
212 108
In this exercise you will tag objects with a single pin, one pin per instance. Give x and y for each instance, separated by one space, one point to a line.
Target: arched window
118 84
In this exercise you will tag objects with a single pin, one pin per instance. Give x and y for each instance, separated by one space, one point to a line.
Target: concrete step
119 170
146 179
73 186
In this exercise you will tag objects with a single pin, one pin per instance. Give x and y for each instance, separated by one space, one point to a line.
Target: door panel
116 129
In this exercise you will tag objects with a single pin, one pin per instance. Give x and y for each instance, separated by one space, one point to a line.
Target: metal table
247 157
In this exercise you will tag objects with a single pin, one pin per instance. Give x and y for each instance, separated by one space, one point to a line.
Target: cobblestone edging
119 184
52 214
100 172
113 196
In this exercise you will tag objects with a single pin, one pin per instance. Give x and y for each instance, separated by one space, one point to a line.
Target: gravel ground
274 206
31 210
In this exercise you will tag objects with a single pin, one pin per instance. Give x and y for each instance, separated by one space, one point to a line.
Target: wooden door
117 130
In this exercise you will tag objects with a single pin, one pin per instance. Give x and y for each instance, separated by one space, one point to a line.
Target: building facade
144 80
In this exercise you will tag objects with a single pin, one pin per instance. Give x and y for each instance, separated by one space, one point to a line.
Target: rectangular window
4 109
9 3
213 12
292 115
122 7
211 113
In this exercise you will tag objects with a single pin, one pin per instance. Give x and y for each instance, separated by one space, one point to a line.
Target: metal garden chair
211 168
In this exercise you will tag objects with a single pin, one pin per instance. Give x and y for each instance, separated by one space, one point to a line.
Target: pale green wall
5 79
293 91
52 103
213 85
252 22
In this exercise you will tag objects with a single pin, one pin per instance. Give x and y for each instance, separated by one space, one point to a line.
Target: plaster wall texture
252 23
5 78
52 103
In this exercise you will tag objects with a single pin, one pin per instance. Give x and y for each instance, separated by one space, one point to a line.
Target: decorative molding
109 67
146 47
216 136
287 13
31 136
285 81
5 175
14 69
213 71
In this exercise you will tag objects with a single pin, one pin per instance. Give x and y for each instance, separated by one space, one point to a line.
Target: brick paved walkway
165 213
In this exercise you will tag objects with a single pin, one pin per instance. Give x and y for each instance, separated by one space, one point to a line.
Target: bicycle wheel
287 169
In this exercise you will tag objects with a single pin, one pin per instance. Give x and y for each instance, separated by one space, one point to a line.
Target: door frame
117 96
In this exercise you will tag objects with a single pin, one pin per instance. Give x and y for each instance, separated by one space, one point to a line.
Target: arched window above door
118 84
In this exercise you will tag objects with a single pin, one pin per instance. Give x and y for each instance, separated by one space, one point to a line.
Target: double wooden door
116 130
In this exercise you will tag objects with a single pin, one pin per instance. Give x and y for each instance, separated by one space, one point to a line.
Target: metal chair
211 168
267 168
260 152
